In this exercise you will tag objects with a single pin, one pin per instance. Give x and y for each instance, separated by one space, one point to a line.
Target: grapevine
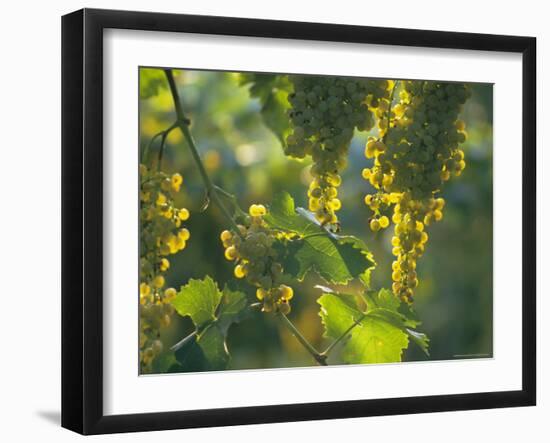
414 140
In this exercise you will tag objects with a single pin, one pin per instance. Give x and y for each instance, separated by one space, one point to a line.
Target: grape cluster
161 235
414 156
324 113
251 248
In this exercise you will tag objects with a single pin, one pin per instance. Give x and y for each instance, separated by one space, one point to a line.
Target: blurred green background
454 298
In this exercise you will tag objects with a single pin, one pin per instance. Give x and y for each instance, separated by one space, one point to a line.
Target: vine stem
183 123
162 134
162 144
319 358
148 147
232 199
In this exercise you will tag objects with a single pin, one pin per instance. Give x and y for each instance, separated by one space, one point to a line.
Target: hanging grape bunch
324 113
256 260
417 152
161 235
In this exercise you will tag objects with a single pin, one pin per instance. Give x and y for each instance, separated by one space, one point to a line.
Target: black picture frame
82 219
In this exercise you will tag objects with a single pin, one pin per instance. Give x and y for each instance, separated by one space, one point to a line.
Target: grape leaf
274 114
382 299
260 85
380 333
385 305
336 258
372 340
206 352
233 308
336 262
402 313
282 215
213 312
420 339
198 300
151 81
272 92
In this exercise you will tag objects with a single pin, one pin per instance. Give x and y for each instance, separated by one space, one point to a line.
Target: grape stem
388 114
148 147
315 234
183 123
163 134
162 143
232 199
320 358
183 341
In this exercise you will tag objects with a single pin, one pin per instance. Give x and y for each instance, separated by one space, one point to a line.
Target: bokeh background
455 297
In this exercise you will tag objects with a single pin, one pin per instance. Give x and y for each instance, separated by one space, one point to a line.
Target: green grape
375 225
416 154
161 235
324 114
256 260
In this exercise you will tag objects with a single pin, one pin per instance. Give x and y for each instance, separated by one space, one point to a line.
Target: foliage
379 332
337 259
151 81
212 312
272 92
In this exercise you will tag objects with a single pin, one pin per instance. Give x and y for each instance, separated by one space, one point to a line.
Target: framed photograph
270 221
